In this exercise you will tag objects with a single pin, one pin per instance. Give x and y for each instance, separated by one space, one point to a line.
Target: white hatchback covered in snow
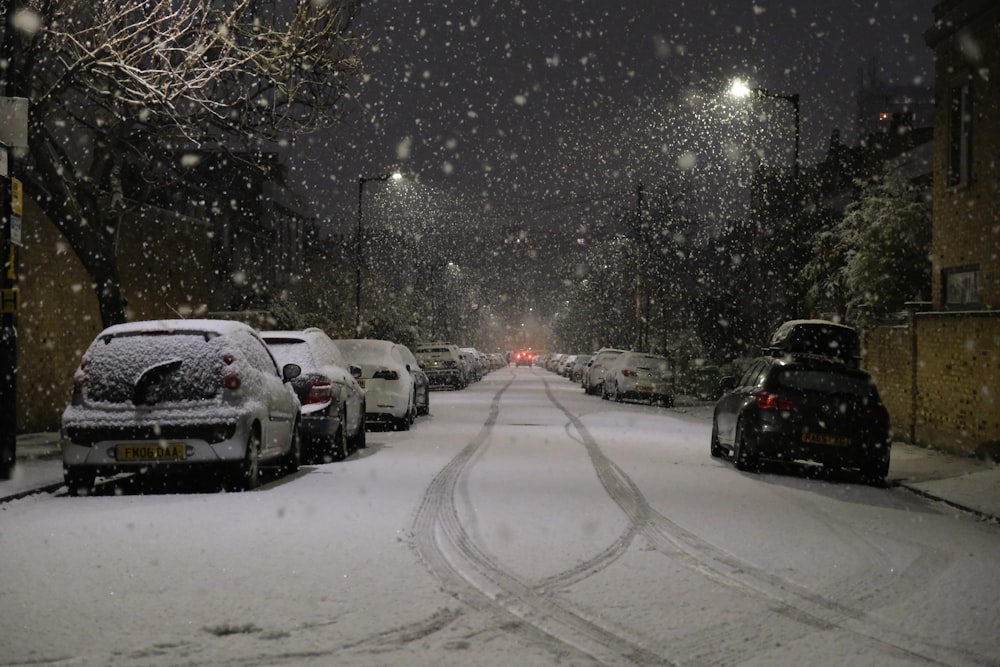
176 393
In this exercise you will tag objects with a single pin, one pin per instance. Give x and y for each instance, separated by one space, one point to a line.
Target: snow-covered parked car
179 394
333 403
442 362
390 388
638 376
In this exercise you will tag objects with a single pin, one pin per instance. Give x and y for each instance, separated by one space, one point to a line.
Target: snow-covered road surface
523 523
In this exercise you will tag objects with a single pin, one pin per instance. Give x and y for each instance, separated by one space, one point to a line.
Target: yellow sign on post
16 194
10 300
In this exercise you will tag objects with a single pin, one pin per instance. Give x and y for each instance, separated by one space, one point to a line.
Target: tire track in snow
782 596
475 577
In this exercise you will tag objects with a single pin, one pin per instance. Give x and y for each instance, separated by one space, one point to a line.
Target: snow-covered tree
879 253
115 87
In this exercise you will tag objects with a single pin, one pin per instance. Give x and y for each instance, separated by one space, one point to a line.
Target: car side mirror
727 383
356 372
290 372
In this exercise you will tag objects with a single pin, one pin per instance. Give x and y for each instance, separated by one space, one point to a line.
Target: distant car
523 358
443 364
333 403
638 376
177 395
580 367
421 383
803 408
593 378
565 365
390 387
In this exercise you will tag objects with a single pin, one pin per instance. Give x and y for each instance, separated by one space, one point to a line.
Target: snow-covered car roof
220 327
368 350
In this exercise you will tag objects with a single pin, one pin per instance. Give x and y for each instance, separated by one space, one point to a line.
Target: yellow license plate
644 388
824 439
151 452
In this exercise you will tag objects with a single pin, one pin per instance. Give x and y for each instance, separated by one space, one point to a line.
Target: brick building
941 370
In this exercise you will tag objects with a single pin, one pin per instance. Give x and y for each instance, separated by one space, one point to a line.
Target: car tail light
768 401
231 382
629 373
875 413
386 375
321 391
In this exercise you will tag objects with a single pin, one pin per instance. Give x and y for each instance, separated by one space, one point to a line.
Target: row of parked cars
617 374
805 399
221 396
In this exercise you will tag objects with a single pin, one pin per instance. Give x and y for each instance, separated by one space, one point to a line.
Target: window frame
948 276
960 132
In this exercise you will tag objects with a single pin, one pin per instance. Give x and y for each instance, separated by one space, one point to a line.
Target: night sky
554 99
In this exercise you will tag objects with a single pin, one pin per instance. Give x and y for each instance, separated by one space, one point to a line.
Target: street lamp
739 88
359 259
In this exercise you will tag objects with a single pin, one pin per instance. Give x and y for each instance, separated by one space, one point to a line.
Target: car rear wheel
291 461
357 441
336 449
875 472
744 458
246 474
716 448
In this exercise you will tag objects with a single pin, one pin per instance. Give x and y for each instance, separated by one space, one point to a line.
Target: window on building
961 288
960 134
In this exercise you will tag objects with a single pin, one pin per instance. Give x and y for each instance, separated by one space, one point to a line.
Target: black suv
796 406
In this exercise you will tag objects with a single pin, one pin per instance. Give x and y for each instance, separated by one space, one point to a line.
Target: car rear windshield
292 351
652 364
825 381
151 368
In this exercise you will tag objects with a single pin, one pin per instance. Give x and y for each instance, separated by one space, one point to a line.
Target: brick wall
958 380
955 375
166 273
887 356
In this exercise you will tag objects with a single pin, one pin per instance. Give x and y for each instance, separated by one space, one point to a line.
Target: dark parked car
803 408
333 403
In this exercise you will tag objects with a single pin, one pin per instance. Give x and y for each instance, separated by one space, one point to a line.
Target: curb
980 514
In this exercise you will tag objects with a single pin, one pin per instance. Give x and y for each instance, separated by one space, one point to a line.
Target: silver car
177 395
639 376
333 403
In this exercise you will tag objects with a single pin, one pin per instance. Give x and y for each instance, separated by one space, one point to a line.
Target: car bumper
451 378
790 444
102 452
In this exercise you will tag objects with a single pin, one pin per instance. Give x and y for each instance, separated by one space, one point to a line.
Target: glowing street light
741 89
359 258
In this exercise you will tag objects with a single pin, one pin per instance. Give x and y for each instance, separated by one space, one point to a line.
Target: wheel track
784 597
474 577
538 615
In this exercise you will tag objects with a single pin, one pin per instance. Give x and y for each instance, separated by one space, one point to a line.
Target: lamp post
741 89
359 258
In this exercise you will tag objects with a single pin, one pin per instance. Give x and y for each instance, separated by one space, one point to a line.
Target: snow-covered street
522 523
